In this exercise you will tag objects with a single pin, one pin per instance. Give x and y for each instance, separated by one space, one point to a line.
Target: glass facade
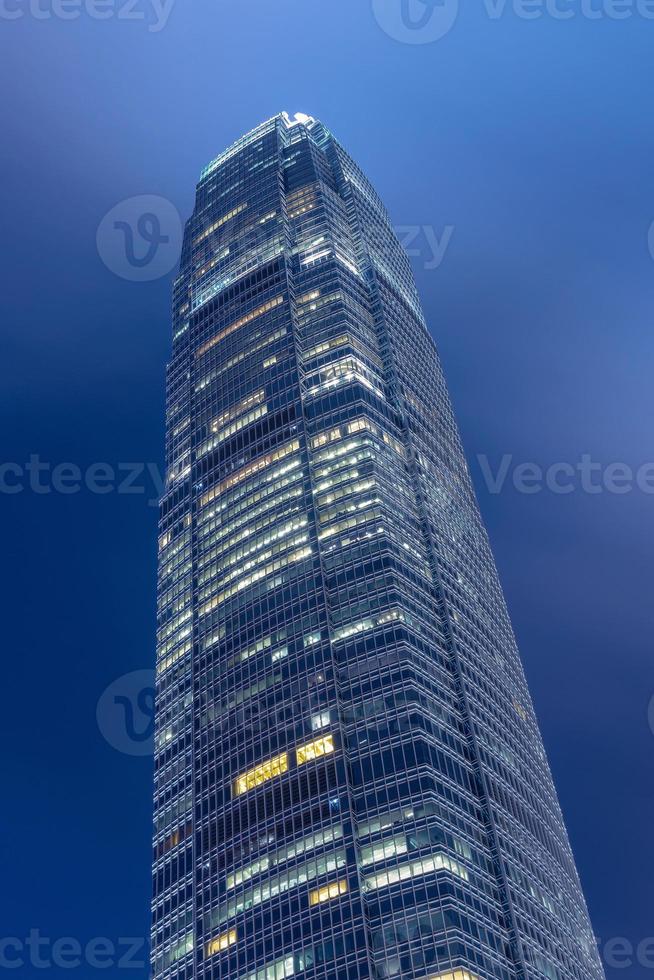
349 777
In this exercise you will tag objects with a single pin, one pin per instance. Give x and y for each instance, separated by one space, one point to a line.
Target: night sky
523 148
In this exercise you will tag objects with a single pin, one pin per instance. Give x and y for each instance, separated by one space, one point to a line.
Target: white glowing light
299 119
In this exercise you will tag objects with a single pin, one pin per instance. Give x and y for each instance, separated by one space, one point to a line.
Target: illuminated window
326 513
314 294
279 970
386 820
316 304
241 322
250 469
271 887
356 425
327 892
263 644
373 514
341 371
313 750
216 260
163 665
240 509
258 576
209 641
434 862
361 424
348 450
221 221
232 413
393 847
454 975
298 847
393 615
221 943
166 644
321 720
180 949
274 542
241 356
261 774
325 345
229 430
302 200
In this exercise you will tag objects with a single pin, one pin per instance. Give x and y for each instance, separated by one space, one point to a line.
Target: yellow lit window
220 222
322 439
325 346
331 435
238 358
357 425
261 774
221 943
163 665
233 413
373 514
315 301
302 200
229 430
256 576
313 750
210 265
327 892
454 975
237 324
250 469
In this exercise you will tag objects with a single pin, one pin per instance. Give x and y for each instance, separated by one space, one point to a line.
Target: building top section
282 118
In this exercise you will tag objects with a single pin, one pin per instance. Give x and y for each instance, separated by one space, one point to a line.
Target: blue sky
518 151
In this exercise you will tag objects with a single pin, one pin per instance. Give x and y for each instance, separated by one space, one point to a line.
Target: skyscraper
350 781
